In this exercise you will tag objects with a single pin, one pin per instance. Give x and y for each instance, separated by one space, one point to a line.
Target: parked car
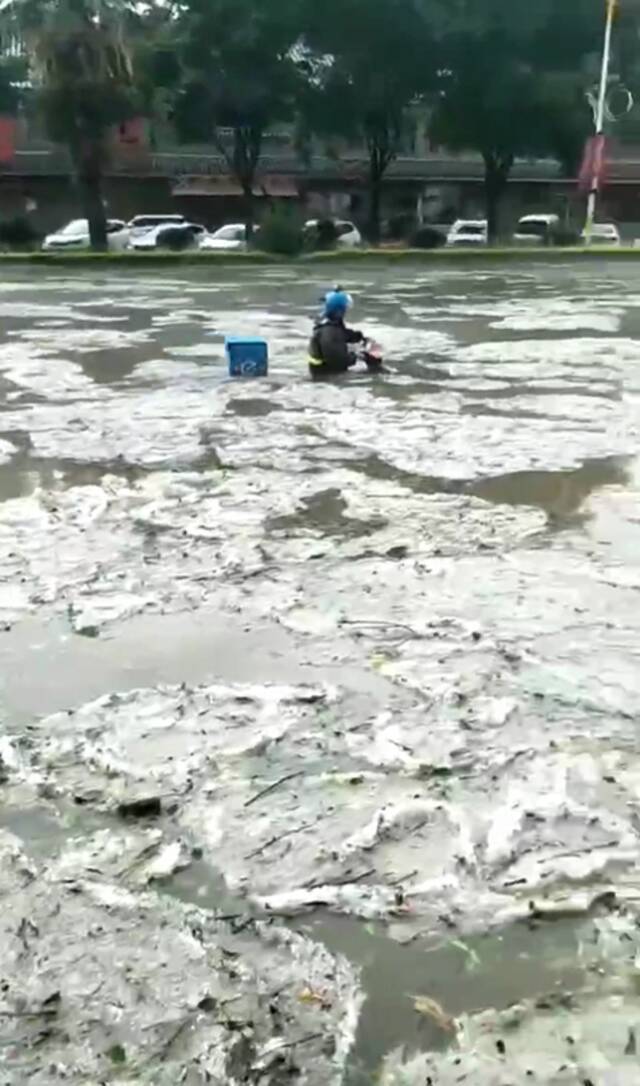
536 229
142 224
345 235
230 238
603 233
75 235
468 232
176 236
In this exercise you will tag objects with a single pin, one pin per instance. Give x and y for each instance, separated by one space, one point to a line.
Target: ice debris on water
563 1042
134 859
270 785
492 778
167 737
94 975
7 451
102 554
563 1038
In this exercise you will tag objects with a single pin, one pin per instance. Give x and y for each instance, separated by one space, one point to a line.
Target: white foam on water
7 451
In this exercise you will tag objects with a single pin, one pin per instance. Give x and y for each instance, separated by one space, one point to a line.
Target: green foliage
496 258
239 77
427 237
513 83
80 66
323 237
18 233
367 64
565 237
116 1054
156 62
281 232
501 92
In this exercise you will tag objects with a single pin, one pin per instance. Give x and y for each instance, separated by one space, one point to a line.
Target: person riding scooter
329 349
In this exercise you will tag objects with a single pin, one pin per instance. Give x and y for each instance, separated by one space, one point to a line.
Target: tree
156 63
568 121
82 75
239 78
512 84
373 61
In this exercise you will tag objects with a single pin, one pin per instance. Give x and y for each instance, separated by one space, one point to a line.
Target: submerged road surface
319 704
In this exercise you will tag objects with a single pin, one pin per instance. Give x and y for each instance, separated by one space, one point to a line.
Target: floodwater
373 644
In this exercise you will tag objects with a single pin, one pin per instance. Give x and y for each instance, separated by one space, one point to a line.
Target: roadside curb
352 256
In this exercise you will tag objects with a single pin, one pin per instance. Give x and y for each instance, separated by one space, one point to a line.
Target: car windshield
471 228
534 227
77 226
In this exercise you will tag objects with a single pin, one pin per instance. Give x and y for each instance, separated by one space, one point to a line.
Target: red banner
130 144
133 133
592 170
7 138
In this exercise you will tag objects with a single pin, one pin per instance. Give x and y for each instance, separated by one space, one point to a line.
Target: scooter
370 353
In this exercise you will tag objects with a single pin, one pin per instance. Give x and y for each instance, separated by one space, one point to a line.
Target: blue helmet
336 303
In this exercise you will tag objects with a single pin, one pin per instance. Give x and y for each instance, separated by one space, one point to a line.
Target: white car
603 233
75 235
468 232
169 235
347 234
142 224
536 229
230 239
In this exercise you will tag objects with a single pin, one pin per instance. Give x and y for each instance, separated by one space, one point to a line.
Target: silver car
75 235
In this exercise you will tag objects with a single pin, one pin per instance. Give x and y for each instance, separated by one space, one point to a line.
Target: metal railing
176 163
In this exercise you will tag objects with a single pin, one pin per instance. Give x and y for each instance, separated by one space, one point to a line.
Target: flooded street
319 703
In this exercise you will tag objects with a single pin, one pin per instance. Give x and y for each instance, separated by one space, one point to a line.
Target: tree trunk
375 192
381 155
496 175
248 201
89 172
247 144
493 193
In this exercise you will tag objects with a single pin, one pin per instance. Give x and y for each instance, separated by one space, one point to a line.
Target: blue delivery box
248 357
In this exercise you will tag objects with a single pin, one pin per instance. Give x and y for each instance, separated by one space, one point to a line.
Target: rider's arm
353 336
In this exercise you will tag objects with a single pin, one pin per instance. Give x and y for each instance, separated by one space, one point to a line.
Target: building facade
37 180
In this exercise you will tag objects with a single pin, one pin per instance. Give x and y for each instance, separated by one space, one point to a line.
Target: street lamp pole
598 154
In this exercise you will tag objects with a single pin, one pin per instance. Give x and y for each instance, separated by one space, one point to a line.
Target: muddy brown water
518 390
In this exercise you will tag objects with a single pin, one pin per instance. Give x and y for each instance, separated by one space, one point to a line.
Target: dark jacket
329 346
